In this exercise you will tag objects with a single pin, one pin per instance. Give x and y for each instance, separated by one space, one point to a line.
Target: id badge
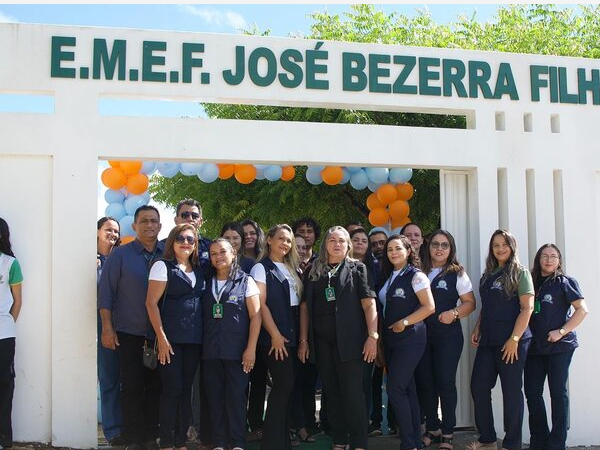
330 294
537 306
217 311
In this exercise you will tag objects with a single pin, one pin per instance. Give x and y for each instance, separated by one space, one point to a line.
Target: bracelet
303 340
455 313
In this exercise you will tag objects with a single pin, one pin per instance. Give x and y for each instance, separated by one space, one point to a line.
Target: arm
109 336
370 311
475 335
155 292
303 350
249 355
277 340
466 307
581 310
510 348
107 289
426 309
17 291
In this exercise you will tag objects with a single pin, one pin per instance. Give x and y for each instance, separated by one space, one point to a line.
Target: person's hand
475 336
510 351
446 317
248 359
303 351
397 327
109 338
554 336
370 350
164 350
278 347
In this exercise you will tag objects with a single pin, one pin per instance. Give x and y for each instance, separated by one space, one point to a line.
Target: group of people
229 315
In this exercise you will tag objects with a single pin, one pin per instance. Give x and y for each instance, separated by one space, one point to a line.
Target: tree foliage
517 28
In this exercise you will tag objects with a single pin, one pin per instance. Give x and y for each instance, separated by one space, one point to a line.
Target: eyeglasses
549 257
180 239
442 245
187 214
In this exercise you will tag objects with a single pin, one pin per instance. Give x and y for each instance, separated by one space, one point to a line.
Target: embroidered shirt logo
497 285
547 299
442 285
399 293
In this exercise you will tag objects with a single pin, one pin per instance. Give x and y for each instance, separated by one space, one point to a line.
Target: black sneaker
374 430
392 431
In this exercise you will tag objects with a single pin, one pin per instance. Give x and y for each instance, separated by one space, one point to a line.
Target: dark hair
354 222
260 236
510 279
310 222
369 260
103 220
386 265
5 246
452 265
145 208
233 270
536 272
188 202
237 227
169 252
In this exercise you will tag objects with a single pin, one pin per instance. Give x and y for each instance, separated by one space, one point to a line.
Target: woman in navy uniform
339 333
231 326
436 373
558 309
502 338
406 300
176 319
279 283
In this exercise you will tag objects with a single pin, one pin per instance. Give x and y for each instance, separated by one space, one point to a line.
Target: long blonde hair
319 267
291 259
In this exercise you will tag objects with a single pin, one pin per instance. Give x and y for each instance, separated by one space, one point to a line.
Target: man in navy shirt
122 303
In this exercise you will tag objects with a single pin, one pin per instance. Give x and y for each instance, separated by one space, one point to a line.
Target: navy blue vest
499 311
278 302
180 311
555 296
443 288
401 301
226 338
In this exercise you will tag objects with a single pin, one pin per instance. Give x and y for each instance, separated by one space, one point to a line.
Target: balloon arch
127 183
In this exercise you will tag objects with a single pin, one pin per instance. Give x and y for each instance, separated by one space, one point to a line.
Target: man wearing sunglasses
189 211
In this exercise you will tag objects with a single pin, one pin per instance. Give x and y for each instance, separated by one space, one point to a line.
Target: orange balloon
399 209
386 193
332 175
405 191
137 183
127 239
113 178
245 173
114 164
373 202
131 167
379 217
288 173
226 171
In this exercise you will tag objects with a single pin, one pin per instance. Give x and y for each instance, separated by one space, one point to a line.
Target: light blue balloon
313 175
373 186
400 175
261 166
133 203
167 170
148 167
346 176
209 173
112 196
273 172
146 197
396 230
317 168
125 225
378 174
191 169
116 210
359 180
260 174
353 169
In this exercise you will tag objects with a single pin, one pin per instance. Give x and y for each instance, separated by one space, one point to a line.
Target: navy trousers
226 383
401 362
487 367
7 388
556 368
436 381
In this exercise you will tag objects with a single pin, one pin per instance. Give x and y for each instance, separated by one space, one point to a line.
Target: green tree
538 29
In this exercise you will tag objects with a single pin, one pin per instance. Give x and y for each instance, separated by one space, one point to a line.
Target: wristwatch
562 331
374 335
455 313
515 338
405 322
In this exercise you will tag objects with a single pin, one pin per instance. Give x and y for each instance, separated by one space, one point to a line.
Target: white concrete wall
64 148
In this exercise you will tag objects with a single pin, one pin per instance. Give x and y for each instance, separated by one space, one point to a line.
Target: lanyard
218 292
332 273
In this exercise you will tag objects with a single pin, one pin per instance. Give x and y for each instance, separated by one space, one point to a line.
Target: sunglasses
180 239
188 214
442 245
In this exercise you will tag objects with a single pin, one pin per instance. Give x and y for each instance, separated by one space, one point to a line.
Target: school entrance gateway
528 161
